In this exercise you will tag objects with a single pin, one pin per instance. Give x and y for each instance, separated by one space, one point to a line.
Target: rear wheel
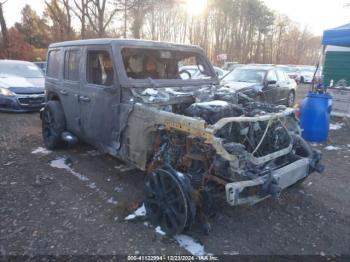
53 124
169 201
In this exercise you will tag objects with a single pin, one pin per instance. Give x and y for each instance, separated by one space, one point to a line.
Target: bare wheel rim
48 124
165 202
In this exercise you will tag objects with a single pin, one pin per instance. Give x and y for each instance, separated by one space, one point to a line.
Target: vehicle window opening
163 64
100 68
71 65
54 64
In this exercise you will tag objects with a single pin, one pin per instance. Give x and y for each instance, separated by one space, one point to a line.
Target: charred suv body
195 139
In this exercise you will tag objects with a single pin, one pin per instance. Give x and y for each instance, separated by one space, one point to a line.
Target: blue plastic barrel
315 117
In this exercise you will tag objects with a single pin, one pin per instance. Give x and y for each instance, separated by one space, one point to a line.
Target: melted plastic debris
331 148
41 150
336 126
140 212
191 245
150 92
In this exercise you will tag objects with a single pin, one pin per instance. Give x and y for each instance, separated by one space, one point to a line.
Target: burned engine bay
248 149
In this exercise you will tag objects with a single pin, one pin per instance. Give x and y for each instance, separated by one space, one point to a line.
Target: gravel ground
48 208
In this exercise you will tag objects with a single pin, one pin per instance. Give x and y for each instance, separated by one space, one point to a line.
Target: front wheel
53 124
169 201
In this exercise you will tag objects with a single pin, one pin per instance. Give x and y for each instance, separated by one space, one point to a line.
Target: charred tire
291 98
53 124
169 201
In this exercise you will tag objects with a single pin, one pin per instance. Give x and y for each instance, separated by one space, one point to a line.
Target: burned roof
124 42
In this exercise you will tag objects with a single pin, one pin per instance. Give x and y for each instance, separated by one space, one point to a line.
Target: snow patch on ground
180 174
150 92
118 189
331 148
92 185
315 144
160 231
140 212
191 245
112 201
173 92
41 150
93 153
336 126
213 103
61 163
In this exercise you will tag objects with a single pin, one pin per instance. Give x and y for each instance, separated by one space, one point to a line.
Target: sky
318 15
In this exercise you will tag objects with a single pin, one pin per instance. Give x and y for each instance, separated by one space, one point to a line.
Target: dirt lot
80 208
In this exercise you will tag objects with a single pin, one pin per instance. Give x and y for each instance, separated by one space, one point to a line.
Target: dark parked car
267 84
192 137
21 86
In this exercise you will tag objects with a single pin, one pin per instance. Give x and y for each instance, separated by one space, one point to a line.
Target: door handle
64 92
84 98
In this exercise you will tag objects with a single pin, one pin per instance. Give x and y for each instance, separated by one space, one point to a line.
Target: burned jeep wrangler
197 141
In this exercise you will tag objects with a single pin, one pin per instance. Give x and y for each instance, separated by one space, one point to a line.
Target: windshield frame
126 81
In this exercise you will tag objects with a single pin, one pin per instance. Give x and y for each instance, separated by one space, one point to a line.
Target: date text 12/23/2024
172 258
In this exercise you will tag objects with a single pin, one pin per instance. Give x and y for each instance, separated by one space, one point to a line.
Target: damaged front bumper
253 191
273 179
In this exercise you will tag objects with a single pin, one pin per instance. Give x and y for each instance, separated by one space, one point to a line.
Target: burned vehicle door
70 87
99 99
270 89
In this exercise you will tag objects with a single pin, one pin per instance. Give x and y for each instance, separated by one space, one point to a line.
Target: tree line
246 30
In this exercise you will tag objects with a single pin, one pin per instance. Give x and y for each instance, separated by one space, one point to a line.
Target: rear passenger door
70 88
99 99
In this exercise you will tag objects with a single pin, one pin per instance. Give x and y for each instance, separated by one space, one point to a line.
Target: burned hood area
247 149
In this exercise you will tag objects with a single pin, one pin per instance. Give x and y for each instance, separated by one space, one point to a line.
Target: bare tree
98 16
60 14
80 10
4 32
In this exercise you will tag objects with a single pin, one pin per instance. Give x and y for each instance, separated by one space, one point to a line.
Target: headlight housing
5 92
